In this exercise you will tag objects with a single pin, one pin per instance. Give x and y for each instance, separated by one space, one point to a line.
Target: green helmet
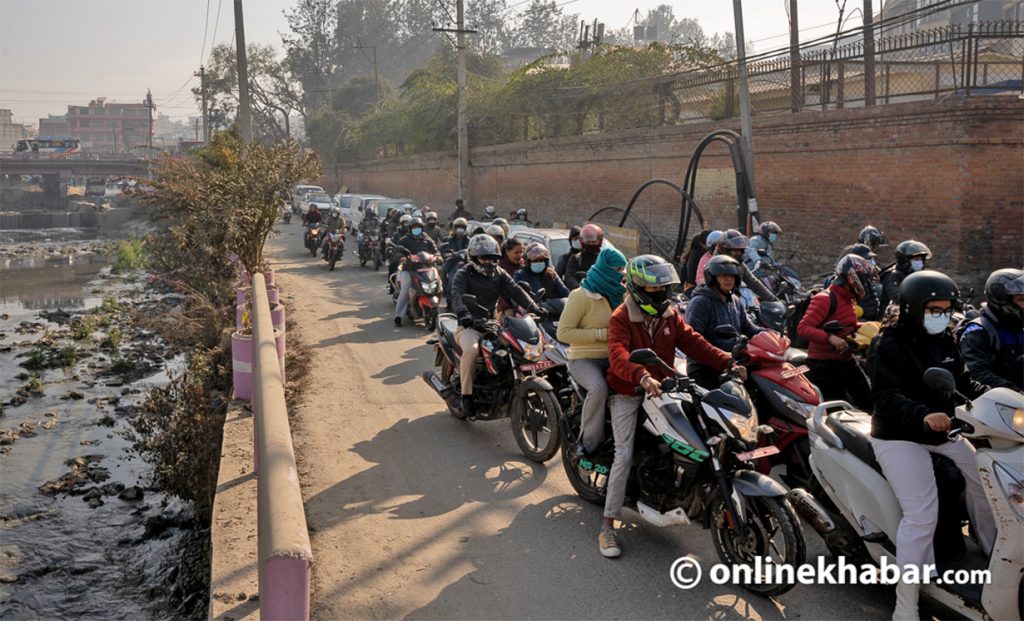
648 270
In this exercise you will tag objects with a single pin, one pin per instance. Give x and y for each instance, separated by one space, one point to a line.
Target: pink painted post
243 295
246 279
277 317
241 365
269 277
279 343
273 295
284 588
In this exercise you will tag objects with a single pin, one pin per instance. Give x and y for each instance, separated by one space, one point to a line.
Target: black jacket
456 244
891 281
902 353
579 262
414 244
563 261
994 358
487 290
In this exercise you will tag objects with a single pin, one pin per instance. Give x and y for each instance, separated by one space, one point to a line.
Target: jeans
469 343
908 467
624 412
405 286
590 374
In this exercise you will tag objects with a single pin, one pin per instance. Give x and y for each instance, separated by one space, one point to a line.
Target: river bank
84 534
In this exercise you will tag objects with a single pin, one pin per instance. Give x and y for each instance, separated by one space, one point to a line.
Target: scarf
603 279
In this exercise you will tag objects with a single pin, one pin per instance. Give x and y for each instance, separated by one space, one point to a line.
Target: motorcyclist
716 303
539 274
583 325
734 244
871 237
574 247
490 212
829 358
691 259
457 240
334 223
646 312
870 309
505 226
992 345
395 256
481 278
591 240
712 247
521 216
911 256
313 216
910 420
511 261
496 232
460 212
760 247
430 227
414 242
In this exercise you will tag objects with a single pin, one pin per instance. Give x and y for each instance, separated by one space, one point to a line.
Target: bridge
53 170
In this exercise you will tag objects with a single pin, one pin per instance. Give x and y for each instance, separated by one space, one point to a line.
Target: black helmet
870 235
861 250
862 271
416 221
922 287
432 216
574 232
648 270
1000 288
732 240
911 248
767 228
720 265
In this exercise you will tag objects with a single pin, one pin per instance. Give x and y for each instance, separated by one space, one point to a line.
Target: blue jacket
706 311
554 288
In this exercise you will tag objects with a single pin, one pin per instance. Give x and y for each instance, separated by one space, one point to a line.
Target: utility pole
244 110
869 54
206 110
197 129
745 123
149 127
796 89
463 138
376 78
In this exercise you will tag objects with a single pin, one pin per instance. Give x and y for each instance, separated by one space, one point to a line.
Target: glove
466 321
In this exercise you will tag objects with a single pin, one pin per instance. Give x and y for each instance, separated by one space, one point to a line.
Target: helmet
313 207
335 212
483 247
521 214
591 235
425 209
648 270
432 217
911 248
496 232
503 223
417 221
870 235
574 232
767 228
405 220
1000 288
862 271
713 238
720 265
922 287
537 251
490 211
731 240
457 222
860 250
408 208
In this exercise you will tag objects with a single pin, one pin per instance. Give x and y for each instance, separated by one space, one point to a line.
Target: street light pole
463 138
745 123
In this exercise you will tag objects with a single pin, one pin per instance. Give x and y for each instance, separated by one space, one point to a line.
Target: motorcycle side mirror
726 331
470 300
540 293
648 358
940 380
832 327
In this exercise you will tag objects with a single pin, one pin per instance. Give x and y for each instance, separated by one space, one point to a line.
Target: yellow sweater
584 325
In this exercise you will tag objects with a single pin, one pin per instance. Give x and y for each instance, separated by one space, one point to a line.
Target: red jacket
817 315
627 331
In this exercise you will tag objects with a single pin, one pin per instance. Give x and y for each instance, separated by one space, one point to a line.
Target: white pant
469 343
624 411
908 467
405 286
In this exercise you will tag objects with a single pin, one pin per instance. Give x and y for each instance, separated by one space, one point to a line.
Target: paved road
414 514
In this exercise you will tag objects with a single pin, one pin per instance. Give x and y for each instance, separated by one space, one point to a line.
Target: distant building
53 126
10 132
961 13
112 127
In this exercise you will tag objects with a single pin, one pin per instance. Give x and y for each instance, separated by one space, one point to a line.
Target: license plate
537 366
788 373
764 451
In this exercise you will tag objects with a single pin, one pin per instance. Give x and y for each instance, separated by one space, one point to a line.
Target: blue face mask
417 231
538 267
772 237
936 325
916 265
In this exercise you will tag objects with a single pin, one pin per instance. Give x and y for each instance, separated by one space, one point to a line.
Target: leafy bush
129 255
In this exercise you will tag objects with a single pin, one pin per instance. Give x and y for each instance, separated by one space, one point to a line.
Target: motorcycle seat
854 429
796 357
448 324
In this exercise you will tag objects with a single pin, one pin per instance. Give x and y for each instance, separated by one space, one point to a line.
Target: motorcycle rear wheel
768 519
536 415
589 485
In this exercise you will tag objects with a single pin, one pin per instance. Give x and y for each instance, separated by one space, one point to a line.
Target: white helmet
405 220
490 211
408 208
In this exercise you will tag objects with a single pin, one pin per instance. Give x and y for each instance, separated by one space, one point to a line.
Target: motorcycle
287 217
369 241
335 248
693 461
843 460
452 264
426 286
781 279
311 238
507 381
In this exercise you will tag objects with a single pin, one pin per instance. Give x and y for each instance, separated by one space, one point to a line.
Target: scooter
426 287
843 460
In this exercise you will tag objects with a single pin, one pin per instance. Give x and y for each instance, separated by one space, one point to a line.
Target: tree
494 34
543 24
310 49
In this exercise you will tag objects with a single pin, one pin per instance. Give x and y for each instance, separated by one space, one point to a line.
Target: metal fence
975 59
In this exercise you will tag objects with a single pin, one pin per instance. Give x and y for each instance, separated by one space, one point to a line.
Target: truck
95 186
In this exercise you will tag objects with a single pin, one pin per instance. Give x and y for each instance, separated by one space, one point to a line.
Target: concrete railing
285 556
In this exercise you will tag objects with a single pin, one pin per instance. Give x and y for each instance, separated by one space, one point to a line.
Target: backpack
800 309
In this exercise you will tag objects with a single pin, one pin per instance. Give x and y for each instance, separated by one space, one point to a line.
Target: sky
59 52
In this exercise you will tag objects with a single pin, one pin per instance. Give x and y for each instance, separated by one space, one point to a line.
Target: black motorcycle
508 381
311 238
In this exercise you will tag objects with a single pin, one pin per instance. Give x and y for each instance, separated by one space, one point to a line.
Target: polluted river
82 532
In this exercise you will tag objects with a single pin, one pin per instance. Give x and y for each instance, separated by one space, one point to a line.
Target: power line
206 26
216 23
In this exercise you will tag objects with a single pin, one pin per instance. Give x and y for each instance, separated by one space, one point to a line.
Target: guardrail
285 557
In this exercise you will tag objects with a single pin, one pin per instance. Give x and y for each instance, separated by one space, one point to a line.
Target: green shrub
69 355
129 255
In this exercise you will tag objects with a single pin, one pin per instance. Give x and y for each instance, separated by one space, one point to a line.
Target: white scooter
844 462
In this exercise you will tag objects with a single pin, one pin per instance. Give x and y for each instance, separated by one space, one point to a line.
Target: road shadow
410 368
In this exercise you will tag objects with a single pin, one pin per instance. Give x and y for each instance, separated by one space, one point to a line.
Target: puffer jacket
415 245
707 311
487 290
817 315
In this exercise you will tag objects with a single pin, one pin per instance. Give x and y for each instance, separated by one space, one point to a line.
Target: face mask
658 297
460 231
538 267
487 269
575 244
417 231
916 265
935 325
772 237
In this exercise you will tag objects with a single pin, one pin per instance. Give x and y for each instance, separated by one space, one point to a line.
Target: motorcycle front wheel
535 425
376 261
430 318
772 532
334 259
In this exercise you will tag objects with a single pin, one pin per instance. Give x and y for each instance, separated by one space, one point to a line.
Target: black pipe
643 227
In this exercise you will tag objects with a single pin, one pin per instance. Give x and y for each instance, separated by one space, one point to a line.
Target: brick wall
949 173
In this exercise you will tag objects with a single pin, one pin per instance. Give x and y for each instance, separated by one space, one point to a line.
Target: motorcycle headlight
745 426
797 407
1012 484
532 353
430 287
1013 417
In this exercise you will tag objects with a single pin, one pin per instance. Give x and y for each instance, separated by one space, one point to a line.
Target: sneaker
609 542
398 321
580 451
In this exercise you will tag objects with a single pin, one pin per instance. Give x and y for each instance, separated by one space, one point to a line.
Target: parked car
556 240
300 192
322 200
399 204
359 204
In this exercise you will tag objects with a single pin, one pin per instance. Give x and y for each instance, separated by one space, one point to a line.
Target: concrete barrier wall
285 556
